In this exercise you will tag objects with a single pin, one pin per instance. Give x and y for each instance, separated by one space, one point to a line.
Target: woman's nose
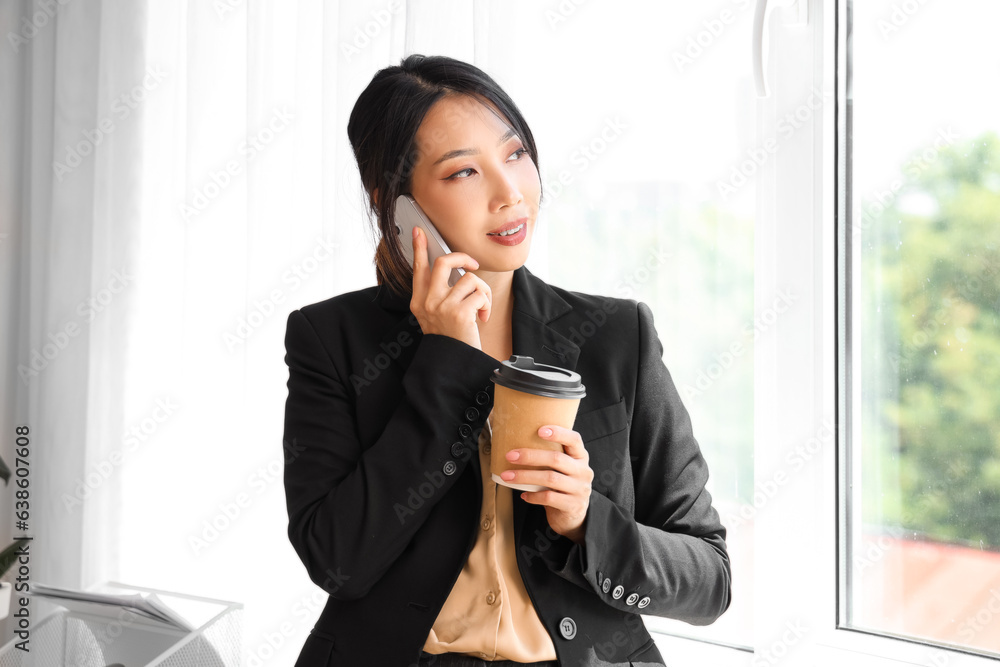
507 192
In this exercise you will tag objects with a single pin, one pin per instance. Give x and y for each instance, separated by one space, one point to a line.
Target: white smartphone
410 215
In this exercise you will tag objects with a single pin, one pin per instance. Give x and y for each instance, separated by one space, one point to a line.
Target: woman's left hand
567 495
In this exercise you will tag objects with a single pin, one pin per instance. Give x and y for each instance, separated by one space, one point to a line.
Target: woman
391 505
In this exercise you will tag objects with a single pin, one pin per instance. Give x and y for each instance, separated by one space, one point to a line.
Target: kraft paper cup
527 396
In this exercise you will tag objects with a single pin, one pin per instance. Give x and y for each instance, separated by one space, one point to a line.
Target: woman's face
484 187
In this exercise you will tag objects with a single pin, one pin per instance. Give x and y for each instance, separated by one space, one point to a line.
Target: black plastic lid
523 374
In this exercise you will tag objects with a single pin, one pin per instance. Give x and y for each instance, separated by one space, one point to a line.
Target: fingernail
513 456
507 475
546 432
415 230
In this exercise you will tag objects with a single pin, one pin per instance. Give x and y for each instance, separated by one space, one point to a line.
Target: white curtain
71 195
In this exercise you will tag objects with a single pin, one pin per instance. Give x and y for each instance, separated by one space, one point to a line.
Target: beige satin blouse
488 613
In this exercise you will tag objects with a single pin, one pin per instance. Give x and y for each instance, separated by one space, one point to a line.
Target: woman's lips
512 239
513 224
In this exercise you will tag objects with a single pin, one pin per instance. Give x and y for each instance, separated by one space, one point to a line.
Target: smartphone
410 215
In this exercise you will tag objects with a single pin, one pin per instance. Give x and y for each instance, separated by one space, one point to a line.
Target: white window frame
801 368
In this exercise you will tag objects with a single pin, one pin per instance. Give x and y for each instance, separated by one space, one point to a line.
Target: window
922 524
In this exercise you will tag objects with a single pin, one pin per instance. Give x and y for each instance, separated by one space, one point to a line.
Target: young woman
391 504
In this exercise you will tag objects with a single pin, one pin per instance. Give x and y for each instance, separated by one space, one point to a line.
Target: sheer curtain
70 196
225 194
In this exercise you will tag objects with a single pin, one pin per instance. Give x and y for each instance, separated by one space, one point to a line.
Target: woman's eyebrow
468 151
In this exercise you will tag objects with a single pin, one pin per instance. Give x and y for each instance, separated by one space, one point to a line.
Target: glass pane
650 194
925 534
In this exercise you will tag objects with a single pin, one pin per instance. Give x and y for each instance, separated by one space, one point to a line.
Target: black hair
382 130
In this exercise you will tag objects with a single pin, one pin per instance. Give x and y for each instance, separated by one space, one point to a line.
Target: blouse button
482 398
456 449
491 598
486 524
449 468
471 414
465 430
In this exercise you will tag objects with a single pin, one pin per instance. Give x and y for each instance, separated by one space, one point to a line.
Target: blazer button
456 449
471 414
606 586
482 398
567 628
643 602
449 467
465 430
631 599
617 593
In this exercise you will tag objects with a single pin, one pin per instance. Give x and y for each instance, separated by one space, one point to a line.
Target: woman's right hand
443 309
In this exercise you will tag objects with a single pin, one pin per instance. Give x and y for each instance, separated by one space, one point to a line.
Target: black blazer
383 487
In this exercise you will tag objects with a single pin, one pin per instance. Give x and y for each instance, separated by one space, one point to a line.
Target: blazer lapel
538 330
535 332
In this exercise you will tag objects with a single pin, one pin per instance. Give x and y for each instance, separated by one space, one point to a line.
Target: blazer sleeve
348 517
673 550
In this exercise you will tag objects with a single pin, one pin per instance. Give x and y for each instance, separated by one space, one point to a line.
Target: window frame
800 552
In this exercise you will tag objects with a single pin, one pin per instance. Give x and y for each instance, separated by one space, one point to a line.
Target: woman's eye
456 176
522 151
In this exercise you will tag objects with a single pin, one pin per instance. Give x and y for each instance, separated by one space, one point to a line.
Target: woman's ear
375 197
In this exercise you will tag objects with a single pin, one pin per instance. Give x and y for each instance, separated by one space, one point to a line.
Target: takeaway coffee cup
527 396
